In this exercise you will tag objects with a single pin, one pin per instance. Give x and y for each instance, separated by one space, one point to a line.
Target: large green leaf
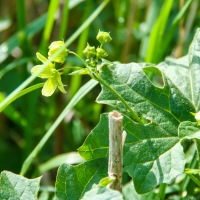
15 187
152 152
73 181
184 73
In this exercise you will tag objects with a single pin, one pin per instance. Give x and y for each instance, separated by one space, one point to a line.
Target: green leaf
15 187
166 106
189 130
152 152
184 73
129 193
194 70
96 144
102 193
73 181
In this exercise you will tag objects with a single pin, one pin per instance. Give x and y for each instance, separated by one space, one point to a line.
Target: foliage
158 99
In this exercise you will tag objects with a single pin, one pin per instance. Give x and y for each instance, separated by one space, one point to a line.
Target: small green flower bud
89 52
197 117
53 48
103 37
101 53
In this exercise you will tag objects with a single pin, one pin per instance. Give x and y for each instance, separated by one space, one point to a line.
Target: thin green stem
86 65
194 179
162 190
78 96
73 53
134 115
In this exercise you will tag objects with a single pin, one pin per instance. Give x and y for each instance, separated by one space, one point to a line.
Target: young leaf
106 181
13 186
73 181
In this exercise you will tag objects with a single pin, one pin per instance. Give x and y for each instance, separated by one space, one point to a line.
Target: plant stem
115 150
162 191
194 179
78 96
136 118
73 53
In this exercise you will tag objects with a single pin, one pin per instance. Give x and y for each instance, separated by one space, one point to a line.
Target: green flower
89 52
51 74
103 37
53 48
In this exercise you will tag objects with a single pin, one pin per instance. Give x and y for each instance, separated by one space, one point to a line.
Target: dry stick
116 142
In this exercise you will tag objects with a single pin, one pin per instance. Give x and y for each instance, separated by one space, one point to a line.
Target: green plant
160 108
158 117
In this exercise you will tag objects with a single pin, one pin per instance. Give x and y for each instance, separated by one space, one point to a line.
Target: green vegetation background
142 31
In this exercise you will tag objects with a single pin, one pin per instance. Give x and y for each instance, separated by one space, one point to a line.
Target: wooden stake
116 141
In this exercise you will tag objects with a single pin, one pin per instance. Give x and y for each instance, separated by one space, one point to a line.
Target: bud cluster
94 54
